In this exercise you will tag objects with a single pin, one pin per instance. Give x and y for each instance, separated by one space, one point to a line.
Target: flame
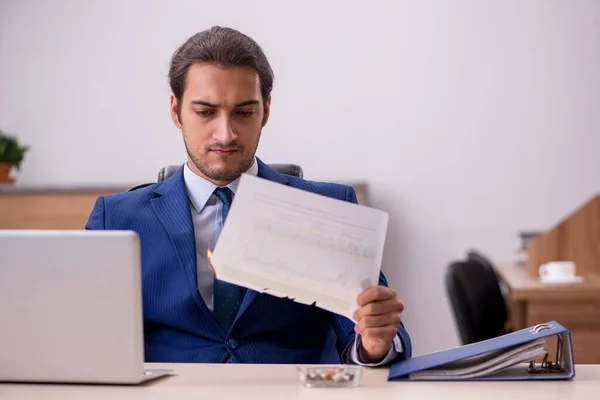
209 257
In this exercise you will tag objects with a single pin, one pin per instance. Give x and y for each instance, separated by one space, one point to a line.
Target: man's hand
377 322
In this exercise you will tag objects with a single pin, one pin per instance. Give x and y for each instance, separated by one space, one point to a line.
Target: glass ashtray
330 376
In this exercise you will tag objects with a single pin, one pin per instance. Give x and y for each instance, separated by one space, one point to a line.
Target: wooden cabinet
68 208
575 306
575 238
39 208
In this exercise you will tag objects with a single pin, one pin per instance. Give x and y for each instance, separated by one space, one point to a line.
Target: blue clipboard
508 357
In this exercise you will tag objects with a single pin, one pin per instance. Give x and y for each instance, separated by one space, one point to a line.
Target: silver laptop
71 307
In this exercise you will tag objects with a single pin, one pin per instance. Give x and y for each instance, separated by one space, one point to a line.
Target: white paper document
292 243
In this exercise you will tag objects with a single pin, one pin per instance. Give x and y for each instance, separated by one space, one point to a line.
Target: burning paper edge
345 306
210 264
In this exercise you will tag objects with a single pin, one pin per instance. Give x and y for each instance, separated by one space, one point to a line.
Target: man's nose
224 132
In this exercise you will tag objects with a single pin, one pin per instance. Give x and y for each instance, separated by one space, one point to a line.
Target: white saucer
571 279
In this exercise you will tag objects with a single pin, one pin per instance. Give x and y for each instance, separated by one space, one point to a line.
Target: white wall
470 119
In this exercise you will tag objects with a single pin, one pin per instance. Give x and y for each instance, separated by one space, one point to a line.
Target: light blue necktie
227 296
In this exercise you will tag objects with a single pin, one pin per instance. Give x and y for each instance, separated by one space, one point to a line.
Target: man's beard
230 173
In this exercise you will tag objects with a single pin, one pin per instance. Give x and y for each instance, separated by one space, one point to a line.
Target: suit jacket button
232 344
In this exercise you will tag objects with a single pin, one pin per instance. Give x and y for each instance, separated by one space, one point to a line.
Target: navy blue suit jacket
178 327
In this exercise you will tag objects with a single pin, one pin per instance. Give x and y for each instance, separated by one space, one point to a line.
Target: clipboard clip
541 327
546 365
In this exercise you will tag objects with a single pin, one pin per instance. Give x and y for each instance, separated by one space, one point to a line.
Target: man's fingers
384 333
378 321
379 308
376 293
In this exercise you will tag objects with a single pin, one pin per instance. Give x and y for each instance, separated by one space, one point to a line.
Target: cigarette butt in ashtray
209 257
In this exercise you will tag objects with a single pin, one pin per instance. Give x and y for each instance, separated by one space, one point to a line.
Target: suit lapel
265 172
173 211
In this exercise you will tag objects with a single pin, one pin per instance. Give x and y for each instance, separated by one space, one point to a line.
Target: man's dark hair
225 47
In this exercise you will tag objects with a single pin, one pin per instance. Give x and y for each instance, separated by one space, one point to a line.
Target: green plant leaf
11 151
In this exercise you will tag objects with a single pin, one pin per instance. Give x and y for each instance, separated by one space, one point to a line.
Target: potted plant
11 155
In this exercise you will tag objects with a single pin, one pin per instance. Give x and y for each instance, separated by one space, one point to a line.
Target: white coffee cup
557 271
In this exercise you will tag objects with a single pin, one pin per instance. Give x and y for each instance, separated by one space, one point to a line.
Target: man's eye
245 113
205 113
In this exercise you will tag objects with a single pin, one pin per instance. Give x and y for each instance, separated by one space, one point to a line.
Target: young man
221 83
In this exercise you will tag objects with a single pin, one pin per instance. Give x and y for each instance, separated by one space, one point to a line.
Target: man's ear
174 109
267 111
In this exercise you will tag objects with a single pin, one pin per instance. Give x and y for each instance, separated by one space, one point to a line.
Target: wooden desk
238 381
575 306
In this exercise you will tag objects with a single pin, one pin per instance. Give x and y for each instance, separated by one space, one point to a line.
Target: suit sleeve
344 327
96 218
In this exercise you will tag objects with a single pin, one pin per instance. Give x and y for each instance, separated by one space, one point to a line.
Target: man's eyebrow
204 103
247 103
213 105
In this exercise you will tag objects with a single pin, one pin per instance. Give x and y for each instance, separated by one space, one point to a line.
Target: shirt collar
199 189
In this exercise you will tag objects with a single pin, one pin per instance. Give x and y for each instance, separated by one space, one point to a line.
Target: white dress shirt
206 211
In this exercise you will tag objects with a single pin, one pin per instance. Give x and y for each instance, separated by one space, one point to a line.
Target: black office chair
166 172
476 297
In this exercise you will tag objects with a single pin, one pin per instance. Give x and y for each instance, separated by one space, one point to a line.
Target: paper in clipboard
293 243
508 357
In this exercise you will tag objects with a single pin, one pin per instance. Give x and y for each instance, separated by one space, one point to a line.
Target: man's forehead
211 79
